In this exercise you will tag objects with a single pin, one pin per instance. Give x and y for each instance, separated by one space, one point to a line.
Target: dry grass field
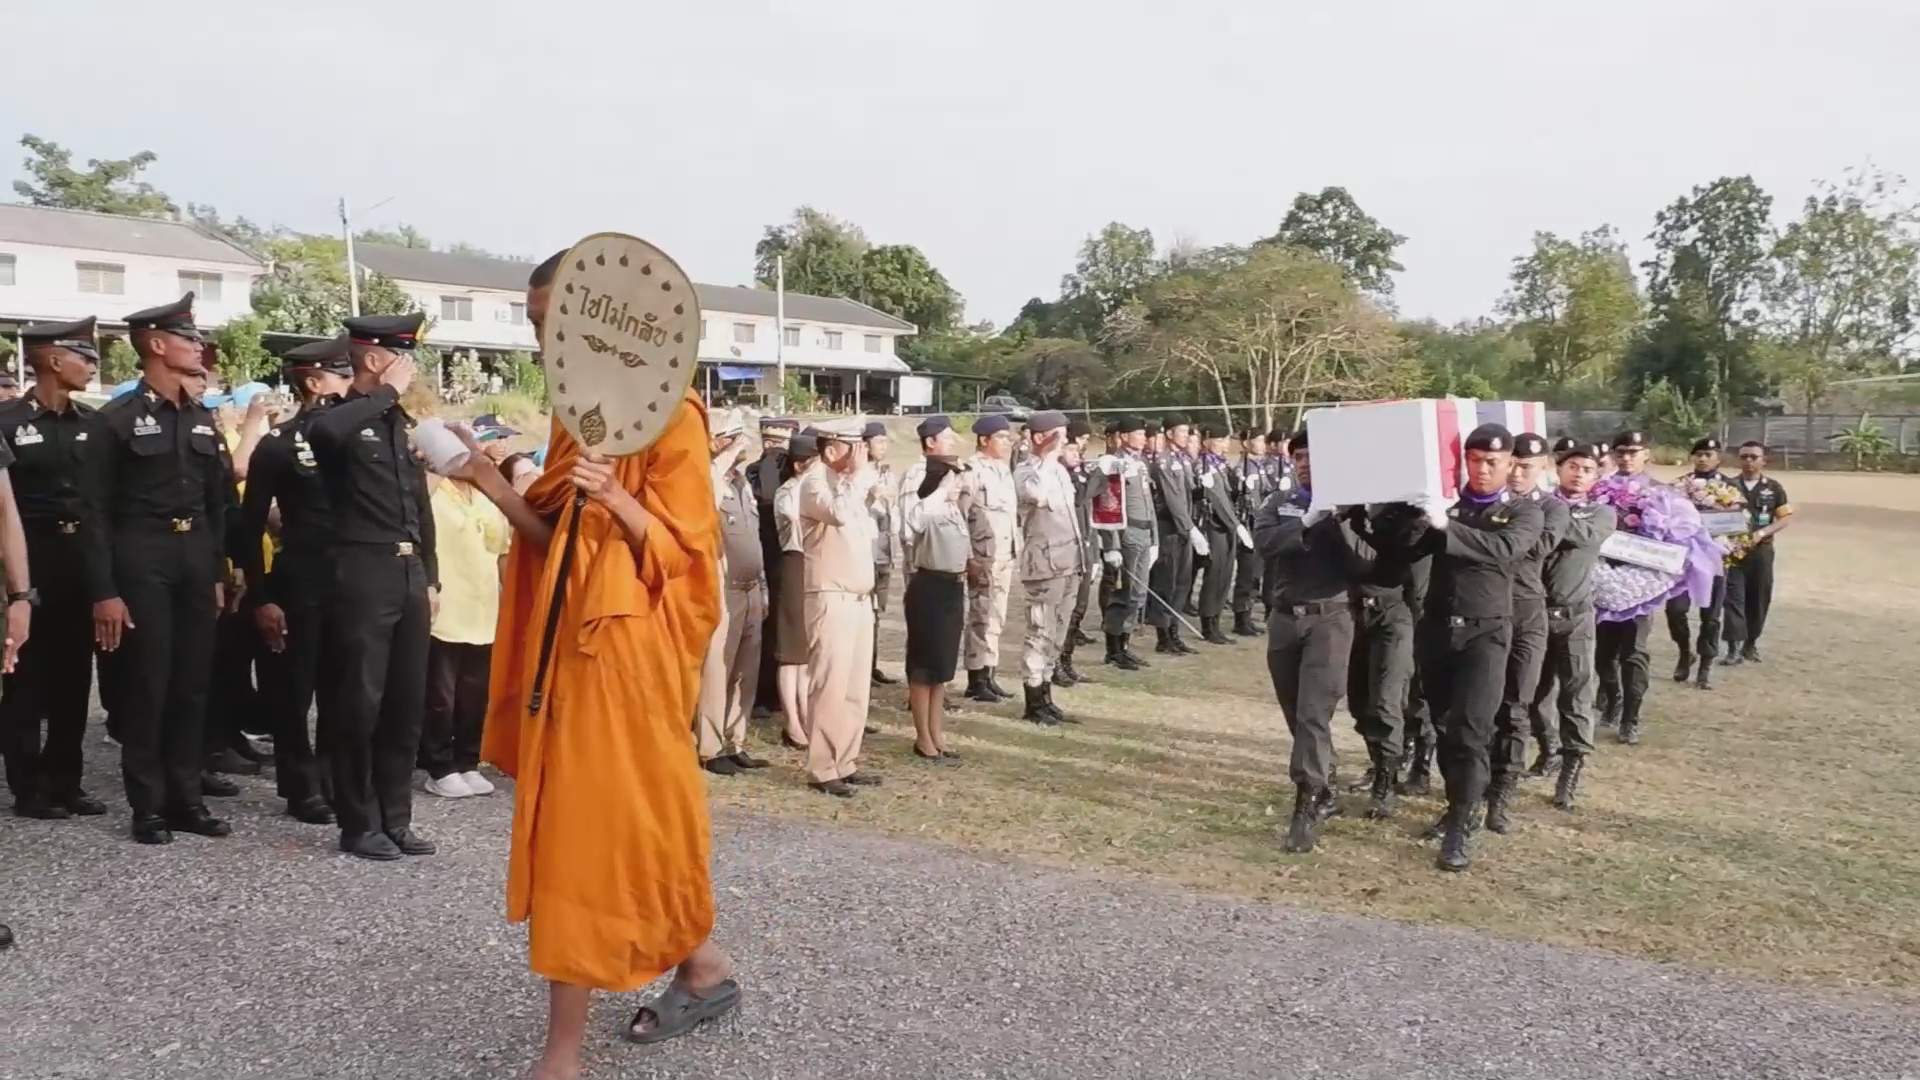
1771 825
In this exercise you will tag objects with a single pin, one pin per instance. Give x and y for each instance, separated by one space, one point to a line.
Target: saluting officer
384 589
46 434
1130 550
1312 561
1180 538
1526 654
1052 559
763 479
1566 678
1079 468
1478 545
1750 582
288 603
1706 467
884 504
729 677
156 488
994 519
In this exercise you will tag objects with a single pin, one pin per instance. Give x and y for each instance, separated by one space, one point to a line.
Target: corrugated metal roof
88 231
510 275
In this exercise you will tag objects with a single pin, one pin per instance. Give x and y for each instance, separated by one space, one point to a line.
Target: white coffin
1636 550
1395 451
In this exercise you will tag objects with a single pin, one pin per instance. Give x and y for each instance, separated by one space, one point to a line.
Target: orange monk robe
610 832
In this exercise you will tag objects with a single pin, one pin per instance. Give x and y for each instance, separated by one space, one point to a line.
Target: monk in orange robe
609 863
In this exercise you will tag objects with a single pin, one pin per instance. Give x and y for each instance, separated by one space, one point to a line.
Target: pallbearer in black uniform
1563 701
1526 654
1478 546
46 434
287 604
1380 669
1311 563
156 488
381 595
1706 466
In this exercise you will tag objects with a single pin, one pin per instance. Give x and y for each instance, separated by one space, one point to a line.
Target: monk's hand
595 478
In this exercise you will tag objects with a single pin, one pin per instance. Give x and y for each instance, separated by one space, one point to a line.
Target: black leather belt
1313 607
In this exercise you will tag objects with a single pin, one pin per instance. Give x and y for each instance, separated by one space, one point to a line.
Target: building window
107 279
456 309
833 339
512 313
203 284
743 333
792 337
873 342
7 269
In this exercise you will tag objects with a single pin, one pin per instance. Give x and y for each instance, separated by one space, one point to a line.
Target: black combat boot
1730 656
1683 667
1609 711
1750 654
1453 840
1180 646
1305 822
977 689
1064 675
1059 714
1210 631
1630 730
1569 785
1500 804
1243 624
1117 654
1126 646
1380 803
1078 636
1419 775
993 685
1544 762
1163 640
1037 706
1704 680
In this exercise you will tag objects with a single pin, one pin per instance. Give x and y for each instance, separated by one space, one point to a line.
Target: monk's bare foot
546 1070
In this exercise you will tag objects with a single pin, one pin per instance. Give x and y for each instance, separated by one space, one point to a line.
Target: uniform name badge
27 436
1290 511
1109 510
146 425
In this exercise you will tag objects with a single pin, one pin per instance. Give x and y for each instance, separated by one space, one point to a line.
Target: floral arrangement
1657 512
1716 495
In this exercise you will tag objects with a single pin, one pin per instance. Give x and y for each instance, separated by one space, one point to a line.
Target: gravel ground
270 955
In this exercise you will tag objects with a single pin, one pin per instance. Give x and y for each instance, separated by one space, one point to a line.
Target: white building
844 350
61 265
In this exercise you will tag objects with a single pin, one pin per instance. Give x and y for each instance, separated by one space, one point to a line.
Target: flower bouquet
1713 495
1657 512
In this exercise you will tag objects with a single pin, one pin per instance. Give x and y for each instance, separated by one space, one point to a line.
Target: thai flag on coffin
1389 451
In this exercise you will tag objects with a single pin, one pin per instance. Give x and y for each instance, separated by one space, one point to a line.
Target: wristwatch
31 596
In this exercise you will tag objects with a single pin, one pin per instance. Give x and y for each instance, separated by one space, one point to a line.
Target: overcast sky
994 134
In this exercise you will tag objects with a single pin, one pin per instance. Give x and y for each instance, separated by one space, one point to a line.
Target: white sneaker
450 786
477 784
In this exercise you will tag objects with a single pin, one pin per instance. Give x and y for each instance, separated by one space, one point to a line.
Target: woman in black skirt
790 607
936 602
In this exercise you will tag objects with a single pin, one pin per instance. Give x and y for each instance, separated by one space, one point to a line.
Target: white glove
1435 510
1112 558
1199 540
1246 538
1153 554
1315 517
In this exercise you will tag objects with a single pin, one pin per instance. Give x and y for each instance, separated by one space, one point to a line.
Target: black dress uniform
1563 700
1171 579
378 608
44 452
763 478
1708 646
155 485
1750 581
1526 653
1620 651
1311 566
285 472
1380 669
1465 632
1220 524
1258 478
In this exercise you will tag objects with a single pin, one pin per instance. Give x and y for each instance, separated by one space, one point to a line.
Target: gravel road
270 955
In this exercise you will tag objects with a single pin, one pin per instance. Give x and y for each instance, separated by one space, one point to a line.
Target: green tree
118 363
242 358
1577 306
110 187
1115 265
1674 418
898 279
406 236
1060 373
822 253
1865 441
1470 359
1841 295
1331 225
307 291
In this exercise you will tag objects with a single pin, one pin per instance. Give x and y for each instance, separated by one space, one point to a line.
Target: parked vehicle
1007 404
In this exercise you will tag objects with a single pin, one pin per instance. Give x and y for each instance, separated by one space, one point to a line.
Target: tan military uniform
837 535
1052 559
994 519
731 675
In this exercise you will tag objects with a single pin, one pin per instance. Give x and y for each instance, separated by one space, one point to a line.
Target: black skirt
936 613
790 610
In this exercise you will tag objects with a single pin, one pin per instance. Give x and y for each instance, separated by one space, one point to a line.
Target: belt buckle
1456 621
1556 613
1370 601
69 527
403 548
182 525
1299 611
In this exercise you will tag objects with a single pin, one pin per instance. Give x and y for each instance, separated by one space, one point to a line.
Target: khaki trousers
1049 610
731 675
987 617
840 662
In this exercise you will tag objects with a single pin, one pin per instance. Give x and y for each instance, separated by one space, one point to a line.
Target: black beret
1577 450
1174 420
1565 443
1153 427
75 336
1046 420
1527 444
1703 445
1277 435
1296 441
1128 424
175 318
1490 437
1630 440
990 424
1077 429
873 430
932 426
397 332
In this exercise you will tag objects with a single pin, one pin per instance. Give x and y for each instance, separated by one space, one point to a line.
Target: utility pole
780 332
353 271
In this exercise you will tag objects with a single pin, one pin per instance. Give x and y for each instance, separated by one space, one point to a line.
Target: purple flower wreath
1657 512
